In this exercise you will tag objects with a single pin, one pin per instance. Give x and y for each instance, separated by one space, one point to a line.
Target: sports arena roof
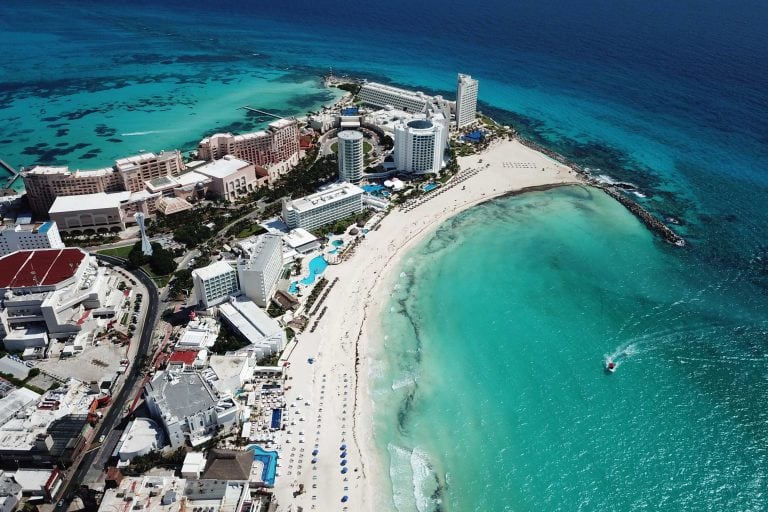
42 267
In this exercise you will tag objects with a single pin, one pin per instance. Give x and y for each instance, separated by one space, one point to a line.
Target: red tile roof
184 356
42 267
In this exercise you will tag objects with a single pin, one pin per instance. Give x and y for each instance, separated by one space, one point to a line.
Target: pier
637 210
246 107
14 173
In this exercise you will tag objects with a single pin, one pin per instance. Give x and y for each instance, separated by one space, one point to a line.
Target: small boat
610 366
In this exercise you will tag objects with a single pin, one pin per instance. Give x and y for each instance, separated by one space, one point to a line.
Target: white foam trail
149 132
408 380
401 476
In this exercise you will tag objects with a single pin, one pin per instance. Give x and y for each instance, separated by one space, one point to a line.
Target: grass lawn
160 281
119 252
253 229
366 147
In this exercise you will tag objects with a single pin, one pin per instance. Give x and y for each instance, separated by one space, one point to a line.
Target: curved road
115 413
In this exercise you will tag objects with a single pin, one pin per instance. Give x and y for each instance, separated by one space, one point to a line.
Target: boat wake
149 132
619 356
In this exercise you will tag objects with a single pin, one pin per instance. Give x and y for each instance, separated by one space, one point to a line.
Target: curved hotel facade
350 156
419 146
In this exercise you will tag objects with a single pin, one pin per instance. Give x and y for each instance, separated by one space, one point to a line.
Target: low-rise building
58 290
259 272
214 283
23 237
264 334
328 205
189 409
141 437
200 334
230 177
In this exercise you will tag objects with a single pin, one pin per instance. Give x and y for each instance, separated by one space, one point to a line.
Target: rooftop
181 394
213 270
331 194
249 319
262 251
100 200
41 267
223 167
185 356
228 465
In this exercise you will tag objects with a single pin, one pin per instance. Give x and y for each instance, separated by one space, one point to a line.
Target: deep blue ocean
670 96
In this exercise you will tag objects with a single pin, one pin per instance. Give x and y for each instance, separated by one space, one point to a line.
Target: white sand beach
339 411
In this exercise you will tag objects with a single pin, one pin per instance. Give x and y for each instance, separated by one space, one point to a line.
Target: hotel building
350 157
276 148
331 204
44 184
380 95
419 146
30 236
188 407
231 178
215 283
258 274
466 101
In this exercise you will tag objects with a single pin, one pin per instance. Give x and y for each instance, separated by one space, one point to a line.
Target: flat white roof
223 167
249 319
214 269
100 200
191 178
331 194
298 237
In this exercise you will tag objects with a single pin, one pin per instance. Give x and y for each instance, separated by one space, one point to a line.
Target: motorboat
610 365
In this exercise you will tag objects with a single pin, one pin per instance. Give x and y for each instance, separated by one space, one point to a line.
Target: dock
13 172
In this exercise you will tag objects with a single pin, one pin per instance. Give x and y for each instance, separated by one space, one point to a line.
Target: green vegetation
340 226
159 264
246 228
366 147
153 459
315 293
269 360
182 283
227 341
306 177
118 252
192 234
387 143
275 310
350 87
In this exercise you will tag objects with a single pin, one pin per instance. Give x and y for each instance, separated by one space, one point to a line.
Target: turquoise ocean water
500 401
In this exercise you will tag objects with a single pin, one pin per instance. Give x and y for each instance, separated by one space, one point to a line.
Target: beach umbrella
343 447
314 452
344 499
344 462
344 471
314 461
343 455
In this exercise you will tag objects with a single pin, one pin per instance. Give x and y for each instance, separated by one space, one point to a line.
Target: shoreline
345 337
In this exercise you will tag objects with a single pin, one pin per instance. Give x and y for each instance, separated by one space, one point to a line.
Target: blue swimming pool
429 186
277 415
317 266
337 243
373 189
268 459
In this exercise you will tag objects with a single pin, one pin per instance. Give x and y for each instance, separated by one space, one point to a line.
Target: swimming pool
337 243
268 459
317 266
429 186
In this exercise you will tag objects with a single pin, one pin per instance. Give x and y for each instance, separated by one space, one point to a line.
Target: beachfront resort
253 393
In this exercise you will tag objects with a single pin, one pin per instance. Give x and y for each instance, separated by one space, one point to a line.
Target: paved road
115 413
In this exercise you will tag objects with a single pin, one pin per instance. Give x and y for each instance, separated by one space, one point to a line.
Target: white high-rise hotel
419 146
259 272
329 205
351 156
466 101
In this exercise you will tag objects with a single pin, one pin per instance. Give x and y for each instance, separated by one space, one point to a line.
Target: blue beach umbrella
343 455
343 447
314 452
344 462
344 471
344 499
314 461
